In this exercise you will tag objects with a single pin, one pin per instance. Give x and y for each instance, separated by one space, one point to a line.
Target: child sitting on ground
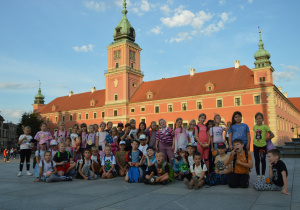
86 168
143 144
108 164
181 166
278 175
220 168
198 170
242 163
191 150
148 160
121 159
160 171
48 171
97 159
53 148
39 156
133 158
63 160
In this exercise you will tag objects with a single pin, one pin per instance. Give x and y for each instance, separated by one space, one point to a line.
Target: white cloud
283 76
291 68
165 9
215 27
156 30
250 1
17 86
222 2
242 7
12 115
95 5
84 48
145 6
181 37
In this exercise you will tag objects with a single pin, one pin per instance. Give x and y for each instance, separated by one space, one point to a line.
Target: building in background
8 135
224 91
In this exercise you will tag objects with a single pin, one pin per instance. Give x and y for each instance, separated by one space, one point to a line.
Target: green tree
29 119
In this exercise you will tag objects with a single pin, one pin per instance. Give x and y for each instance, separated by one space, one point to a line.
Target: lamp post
293 129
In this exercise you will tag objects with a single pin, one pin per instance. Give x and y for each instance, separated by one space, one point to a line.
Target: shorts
64 168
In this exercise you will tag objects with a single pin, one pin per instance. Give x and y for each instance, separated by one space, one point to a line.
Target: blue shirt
153 160
239 132
135 157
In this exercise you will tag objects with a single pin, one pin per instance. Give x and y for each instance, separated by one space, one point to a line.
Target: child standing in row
75 140
151 132
126 137
83 137
91 138
25 150
193 137
101 135
165 140
260 145
61 134
69 147
142 131
44 135
203 143
239 130
216 133
115 140
180 136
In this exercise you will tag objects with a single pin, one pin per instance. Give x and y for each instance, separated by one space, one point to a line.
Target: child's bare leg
163 178
61 173
192 182
121 172
201 183
126 178
109 176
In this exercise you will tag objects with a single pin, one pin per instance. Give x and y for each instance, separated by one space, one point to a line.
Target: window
209 88
184 125
48 119
237 101
149 96
133 84
102 114
116 97
86 116
170 108
257 99
117 65
79 116
262 79
143 120
95 115
63 118
219 103
70 117
143 109
132 110
70 130
199 105
115 113
56 118
156 109
184 108
170 125
132 65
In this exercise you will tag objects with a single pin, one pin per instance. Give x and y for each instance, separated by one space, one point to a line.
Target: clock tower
123 75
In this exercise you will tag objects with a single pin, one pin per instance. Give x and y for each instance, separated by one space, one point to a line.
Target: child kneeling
278 175
198 170
48 171
160 171
86 168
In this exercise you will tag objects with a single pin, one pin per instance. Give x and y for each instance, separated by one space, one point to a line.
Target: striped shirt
165 136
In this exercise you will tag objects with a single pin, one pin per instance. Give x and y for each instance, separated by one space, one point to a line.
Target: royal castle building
126 96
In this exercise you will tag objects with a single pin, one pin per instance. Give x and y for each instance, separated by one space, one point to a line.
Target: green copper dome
39 98
124 30
262 56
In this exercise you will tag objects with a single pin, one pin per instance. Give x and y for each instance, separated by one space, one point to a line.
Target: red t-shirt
202 133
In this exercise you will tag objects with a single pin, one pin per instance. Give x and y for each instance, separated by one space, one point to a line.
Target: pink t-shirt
61 135
43 136
202 133
217 133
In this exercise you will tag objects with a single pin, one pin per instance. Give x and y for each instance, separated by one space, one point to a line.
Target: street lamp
292 128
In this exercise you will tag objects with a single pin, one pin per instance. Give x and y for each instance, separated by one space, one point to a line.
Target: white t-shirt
133 132
95 159
143 149
52 153
198 170
101 138
42 153
26 144
192 137
88 163
47 166
107 162
191 160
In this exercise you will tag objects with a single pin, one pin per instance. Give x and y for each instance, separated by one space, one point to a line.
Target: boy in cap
121 159
143 144
53 148
120 129
133 158
190 148
220 167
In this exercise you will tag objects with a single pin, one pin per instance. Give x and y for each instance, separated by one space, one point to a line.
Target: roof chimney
70 93
236 64
192 72
93 89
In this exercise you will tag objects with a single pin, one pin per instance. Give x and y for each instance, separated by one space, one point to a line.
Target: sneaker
258 178
28 173
69 178
187 183
20 173
196 182
263 177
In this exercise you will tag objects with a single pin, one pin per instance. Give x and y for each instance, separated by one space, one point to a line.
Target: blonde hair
62 143
94 149
178 119
132 121
26 127
161 153
115 130
191 122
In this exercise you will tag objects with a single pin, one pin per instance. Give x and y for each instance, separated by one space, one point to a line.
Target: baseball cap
190 145
122 142
221 145
137 140
120 124
142 137
53 142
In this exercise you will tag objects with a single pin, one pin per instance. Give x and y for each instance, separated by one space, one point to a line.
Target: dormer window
210 86
149 94
54 108
92 102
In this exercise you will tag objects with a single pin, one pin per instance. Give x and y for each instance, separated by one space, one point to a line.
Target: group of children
157 154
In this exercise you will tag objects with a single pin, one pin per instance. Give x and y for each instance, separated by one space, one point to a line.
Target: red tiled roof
224 80
296 102
76 101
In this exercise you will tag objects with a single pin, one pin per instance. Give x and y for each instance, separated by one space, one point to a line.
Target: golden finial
259 31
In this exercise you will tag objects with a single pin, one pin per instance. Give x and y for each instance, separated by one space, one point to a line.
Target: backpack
213 179
133 175
171 171
58 154
109 139
78 175
235 157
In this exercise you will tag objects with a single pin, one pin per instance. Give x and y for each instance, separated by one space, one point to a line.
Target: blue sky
63 43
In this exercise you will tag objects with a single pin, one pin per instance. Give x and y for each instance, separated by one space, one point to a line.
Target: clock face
117 54
132 55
